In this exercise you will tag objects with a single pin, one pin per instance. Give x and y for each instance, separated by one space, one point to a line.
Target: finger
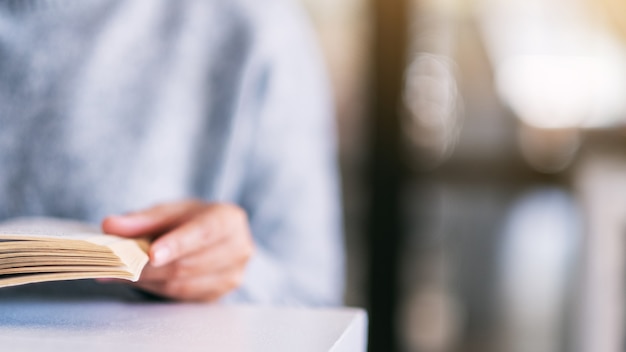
203 288
222 256
212 225
152 221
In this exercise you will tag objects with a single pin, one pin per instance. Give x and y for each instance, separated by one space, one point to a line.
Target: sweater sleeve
291 187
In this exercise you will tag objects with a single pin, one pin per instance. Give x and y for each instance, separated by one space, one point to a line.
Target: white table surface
39 325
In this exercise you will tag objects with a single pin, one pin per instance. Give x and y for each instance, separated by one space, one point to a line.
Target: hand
199 251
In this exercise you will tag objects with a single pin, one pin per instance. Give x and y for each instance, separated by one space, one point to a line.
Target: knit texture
113 106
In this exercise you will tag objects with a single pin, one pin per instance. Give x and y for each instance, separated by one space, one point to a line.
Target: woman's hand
199 250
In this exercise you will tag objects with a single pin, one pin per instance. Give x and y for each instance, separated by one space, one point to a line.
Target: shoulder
274 24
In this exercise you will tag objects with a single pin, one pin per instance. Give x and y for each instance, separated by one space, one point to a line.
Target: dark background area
483 170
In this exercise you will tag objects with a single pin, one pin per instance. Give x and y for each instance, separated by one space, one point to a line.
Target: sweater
111 106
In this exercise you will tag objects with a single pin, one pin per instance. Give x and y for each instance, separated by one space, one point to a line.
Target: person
203 125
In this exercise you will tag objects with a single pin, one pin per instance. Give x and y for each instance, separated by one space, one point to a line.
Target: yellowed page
39 277
61 247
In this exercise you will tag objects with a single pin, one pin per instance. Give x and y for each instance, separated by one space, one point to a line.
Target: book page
47 227
40 249
55 229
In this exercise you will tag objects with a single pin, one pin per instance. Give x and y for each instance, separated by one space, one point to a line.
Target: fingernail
161 256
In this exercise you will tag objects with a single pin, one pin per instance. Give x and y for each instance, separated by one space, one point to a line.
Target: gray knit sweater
110 106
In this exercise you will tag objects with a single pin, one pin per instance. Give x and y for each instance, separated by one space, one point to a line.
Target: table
40 325
601 183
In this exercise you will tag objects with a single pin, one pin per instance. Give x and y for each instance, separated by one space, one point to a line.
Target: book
51 249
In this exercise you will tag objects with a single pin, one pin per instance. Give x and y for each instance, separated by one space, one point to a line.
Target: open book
48 249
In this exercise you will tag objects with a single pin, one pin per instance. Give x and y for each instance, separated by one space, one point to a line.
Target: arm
292 194
289 199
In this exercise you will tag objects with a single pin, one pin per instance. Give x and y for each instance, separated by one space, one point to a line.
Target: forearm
272 281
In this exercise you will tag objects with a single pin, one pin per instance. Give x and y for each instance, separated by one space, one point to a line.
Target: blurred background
484 170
